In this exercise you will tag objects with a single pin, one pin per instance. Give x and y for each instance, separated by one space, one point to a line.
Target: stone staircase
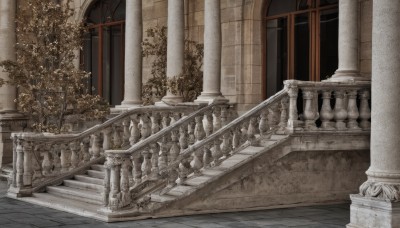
204 161
83 188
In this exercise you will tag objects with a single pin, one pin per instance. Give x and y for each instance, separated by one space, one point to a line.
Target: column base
370 212
9 122
169 99
346 76
210 98
125 105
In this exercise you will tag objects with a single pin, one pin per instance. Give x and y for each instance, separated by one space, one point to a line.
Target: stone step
88 179
196 181
83 185
98 167
161 198
250 150
278 137
211 172
96 174
75 194
181 190
232 161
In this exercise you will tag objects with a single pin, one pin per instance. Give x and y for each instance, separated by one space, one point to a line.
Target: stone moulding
384 191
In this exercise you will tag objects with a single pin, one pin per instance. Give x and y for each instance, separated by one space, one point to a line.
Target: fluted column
378 202
176 45
348 42
7 52
212 52
133 54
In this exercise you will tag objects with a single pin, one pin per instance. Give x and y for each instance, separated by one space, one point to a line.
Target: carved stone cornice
382 191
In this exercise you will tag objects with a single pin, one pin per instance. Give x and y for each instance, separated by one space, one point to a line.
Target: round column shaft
348 42
133 53
212 51
385 127
176 45
7 52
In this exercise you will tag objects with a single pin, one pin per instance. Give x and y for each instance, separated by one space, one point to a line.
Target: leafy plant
50 88
188 84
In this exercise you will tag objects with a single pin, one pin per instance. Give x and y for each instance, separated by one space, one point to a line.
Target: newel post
292 91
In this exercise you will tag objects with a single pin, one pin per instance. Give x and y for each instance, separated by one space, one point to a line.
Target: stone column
378 204
7 52
10 119
133 54
212 52
176 45
348 42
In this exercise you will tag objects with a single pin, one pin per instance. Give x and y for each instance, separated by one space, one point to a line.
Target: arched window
104 46
301 41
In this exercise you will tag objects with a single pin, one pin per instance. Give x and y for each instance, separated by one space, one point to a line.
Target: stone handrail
168 157
39 157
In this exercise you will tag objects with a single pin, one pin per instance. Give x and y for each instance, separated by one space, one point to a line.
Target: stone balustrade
207 137
42 158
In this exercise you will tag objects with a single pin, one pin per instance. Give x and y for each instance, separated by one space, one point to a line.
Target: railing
40 158
199 142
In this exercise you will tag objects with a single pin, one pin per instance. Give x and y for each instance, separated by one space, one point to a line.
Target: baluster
27 178
46 163
134 129
263 125
243 131
237 134
216 152
37 169
209 123
85 150
326 113
125 194
73 146
309 112
183 171
115 179
183 137
251 131
126 133
352 110
293 113
145 126
137 168
176 116
199 129
207 156
20 163
163 158
106 181
273 115
217 118
365 111
191 127
64 158
174 150
340 111
107 138
154 149
56 158
226 144
166 120
284 115
116 139
197 163
146 165
95 146
156 123
224 115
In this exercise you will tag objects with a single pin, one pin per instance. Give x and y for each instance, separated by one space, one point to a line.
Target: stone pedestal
9 122
377 205
372 213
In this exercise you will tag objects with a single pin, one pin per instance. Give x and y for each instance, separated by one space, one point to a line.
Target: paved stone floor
14 213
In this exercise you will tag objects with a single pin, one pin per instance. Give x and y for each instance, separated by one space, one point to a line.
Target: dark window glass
329 2
301 47
329 42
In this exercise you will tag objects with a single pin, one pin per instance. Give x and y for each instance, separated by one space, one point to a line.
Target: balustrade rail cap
298 83
46 137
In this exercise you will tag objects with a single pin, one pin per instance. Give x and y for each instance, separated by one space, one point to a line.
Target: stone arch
80 14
